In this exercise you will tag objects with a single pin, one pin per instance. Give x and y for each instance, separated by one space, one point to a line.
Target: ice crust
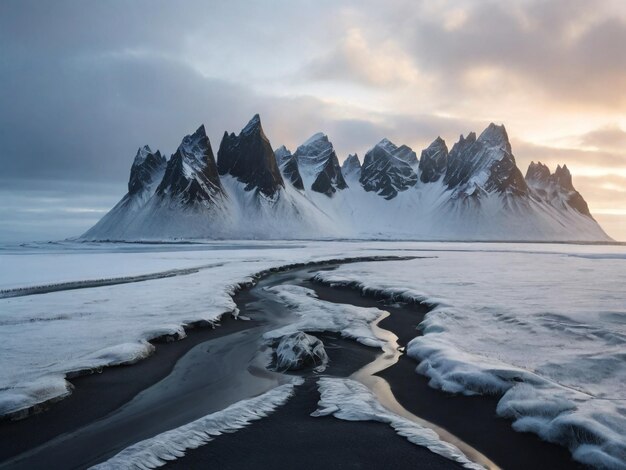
352 401
545 331
316 315
171 445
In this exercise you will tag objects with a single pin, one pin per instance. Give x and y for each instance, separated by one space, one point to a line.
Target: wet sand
96 395
472 419
289 436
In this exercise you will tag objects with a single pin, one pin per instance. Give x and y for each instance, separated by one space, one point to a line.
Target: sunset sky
83 84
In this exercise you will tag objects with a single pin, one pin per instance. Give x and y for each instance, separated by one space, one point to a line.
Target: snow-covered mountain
319 165
384 172
473 192
351 167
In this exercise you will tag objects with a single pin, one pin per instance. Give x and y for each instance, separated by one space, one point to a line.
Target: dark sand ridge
97 394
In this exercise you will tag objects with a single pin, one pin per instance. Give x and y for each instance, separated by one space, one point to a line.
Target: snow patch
316 315
171 445
352 401
545 331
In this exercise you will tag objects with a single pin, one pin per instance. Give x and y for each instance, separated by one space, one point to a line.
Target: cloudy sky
84 83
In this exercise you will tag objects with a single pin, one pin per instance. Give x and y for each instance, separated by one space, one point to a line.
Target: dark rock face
317 157
406 154
291 171
484 164
555 188
433 161
191 174
537 174
351 167
385 174
147 168
249 158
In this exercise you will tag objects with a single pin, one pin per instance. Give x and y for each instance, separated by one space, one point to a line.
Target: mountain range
474 191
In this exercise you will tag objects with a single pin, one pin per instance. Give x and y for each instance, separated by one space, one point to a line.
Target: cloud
382 64
84 84
583 160
610 137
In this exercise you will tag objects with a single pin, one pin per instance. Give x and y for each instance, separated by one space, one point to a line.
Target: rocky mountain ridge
473 191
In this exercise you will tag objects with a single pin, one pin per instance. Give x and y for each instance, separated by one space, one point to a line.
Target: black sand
290 437
98 394
473 419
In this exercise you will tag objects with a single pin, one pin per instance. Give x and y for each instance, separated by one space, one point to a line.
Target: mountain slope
474 192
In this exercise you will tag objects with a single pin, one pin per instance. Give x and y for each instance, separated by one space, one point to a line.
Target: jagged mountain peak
249 158
191 175
197 145
351 166
433 161
564 178
387 144
142 153
495 135
282 154
192 200
253 125
382 172
314 150
317 137
555 188
319 165
147 167
537 172
484 165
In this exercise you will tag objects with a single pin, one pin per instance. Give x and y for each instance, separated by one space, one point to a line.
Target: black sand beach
287 438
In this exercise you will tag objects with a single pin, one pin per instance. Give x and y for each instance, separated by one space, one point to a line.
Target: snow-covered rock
249 158
282 153
474 192
433 161
147 169
191 174
556 188
484 165
319 165
351 168
384 173
298 350
291 172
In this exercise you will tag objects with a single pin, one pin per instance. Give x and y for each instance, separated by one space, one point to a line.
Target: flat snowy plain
543 325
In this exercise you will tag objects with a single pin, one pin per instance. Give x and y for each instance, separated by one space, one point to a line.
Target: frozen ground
547 330
545 325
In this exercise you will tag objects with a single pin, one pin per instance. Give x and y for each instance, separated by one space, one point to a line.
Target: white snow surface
171 445
49 335
316 316
352 401
423 212
544 327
